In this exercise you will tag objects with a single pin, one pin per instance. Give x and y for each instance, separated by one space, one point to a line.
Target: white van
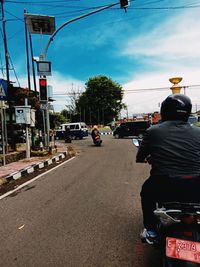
77 130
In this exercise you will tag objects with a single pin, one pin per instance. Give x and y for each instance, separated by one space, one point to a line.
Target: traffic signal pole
8 81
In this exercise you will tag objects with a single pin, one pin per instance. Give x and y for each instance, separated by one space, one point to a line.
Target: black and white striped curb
32 168
106 133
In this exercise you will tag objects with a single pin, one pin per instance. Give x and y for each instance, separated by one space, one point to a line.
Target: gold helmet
95 127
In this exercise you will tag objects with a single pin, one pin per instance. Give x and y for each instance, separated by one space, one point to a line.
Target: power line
135 90
157 89
55 4
13 68
40 2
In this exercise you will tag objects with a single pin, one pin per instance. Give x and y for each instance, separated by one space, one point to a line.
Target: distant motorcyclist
96 135
173 150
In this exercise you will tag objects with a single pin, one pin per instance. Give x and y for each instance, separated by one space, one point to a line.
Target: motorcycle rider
95 133
173 150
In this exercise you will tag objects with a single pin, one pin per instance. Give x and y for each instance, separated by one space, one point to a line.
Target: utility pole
27 52
8 83
5 43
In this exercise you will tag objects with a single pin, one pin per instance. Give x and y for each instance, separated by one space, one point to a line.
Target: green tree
101 101
18 95
56 119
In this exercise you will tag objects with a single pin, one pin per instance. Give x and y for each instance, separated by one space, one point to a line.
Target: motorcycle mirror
136 142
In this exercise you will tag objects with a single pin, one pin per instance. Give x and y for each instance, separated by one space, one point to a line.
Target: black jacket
174 147
94 133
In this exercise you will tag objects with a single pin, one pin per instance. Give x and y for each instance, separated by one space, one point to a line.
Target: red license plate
183 249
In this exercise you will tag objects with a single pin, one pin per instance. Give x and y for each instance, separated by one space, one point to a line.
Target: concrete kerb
32 168
106 133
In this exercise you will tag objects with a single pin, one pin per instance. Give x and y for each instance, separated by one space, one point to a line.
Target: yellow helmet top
95 127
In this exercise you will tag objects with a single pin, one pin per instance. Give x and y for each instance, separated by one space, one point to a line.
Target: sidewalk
16 170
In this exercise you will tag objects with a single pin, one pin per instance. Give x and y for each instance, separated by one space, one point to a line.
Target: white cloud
176 38
148 101
170 50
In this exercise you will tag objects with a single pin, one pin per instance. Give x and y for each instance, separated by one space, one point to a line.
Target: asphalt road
84 213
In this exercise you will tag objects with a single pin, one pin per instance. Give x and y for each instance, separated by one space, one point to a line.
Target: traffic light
43 88
124 3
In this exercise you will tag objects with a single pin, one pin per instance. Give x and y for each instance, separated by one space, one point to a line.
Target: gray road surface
85 213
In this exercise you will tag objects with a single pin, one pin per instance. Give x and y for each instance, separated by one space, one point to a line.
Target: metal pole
3 136
43 56
8 79
27 143
5 130
48 123
75 19
28 152
44 124
27 52
32 59
5 43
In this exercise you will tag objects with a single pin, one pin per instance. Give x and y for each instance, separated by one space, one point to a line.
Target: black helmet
176 107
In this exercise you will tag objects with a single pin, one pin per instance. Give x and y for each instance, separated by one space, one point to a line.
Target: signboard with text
43 68
3 89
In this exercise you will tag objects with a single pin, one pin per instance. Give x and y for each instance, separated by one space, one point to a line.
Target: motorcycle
97 140
178 228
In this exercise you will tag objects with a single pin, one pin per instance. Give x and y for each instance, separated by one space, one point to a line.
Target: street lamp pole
72 20
43 56
5 43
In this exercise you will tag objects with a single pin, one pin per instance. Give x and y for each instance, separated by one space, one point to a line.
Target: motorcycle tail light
188 234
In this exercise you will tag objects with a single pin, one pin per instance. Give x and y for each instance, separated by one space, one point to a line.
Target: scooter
97 140
178 229
178 233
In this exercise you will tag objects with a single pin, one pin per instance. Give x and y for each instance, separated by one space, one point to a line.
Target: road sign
3 89
43 68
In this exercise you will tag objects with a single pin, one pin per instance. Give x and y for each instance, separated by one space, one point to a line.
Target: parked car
78 130
134 128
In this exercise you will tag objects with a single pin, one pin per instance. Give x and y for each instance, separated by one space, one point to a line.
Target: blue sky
139 49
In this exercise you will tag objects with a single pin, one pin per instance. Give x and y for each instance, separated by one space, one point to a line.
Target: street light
46 25
73 20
